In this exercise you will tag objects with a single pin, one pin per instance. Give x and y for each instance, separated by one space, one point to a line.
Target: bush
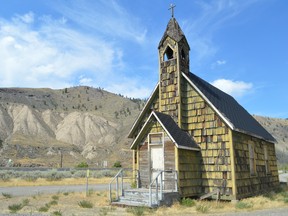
54 175
43 209
82 165
7 195
85 204
117 164
53 202
57 213
202 208
243 205
55 197
138 211
187 202
15 207
80 174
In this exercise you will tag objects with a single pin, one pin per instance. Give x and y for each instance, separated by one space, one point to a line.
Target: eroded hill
37 126
45 127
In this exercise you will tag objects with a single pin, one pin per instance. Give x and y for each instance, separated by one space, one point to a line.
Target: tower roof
173 30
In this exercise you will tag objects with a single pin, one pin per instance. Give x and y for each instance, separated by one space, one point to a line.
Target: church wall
212 135
144 159
190 175
264 178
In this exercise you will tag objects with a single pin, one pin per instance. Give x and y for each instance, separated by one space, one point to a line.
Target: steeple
173 31
173 60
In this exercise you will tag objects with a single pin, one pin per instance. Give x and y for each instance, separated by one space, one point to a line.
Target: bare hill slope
37 126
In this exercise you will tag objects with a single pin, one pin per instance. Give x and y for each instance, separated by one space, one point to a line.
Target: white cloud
106 17
52 54
26 18
84 81
234 88
130 88
219 62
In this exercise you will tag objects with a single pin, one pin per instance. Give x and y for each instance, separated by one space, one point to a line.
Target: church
194 139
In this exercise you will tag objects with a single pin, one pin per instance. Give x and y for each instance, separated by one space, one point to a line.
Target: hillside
39 126
279 129
45 127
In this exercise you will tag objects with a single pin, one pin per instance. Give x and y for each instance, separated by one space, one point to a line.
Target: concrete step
140 197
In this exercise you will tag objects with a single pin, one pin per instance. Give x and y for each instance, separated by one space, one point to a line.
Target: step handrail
155 180
120 187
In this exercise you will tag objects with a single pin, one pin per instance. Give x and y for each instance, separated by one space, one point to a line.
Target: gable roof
228 108
144 110
179 137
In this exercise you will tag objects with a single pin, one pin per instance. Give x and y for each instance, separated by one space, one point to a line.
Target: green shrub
55 197
53 202
85 204
117 164
66 193
137 211
80 174
57 213
243 205
188 202
203 208
25 202
7 195
15 207
83 164
43 209
285 200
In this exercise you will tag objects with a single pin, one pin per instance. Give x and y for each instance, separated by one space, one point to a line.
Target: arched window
183 55
168 54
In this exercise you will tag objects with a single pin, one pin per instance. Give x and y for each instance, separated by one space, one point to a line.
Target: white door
157 160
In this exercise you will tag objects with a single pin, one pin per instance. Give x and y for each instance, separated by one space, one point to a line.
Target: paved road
34 190
265 212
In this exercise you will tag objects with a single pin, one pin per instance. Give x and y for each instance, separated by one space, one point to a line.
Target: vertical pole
150 195
61 159
161 186
157 189
122 190
117 193
110 193
87 176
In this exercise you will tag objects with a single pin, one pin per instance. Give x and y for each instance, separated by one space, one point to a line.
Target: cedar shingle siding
211 140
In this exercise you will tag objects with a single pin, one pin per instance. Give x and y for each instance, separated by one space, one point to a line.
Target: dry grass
66 181
68 204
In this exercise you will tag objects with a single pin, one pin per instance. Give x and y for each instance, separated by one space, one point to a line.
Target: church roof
229 109
179 137
174 31
182 138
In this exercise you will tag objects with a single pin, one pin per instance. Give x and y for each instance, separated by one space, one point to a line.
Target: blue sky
240 46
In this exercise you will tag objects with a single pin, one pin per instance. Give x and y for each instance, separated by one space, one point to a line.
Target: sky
239 46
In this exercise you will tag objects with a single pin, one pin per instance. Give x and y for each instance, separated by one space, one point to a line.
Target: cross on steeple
172 9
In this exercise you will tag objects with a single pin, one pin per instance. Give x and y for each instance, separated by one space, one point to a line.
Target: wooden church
199 132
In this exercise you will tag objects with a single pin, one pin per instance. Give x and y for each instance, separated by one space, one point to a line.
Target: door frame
149 155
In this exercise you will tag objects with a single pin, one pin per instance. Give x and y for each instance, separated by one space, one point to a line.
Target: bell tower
173 60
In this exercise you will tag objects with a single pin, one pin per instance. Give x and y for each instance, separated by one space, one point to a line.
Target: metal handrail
161 185
121 187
